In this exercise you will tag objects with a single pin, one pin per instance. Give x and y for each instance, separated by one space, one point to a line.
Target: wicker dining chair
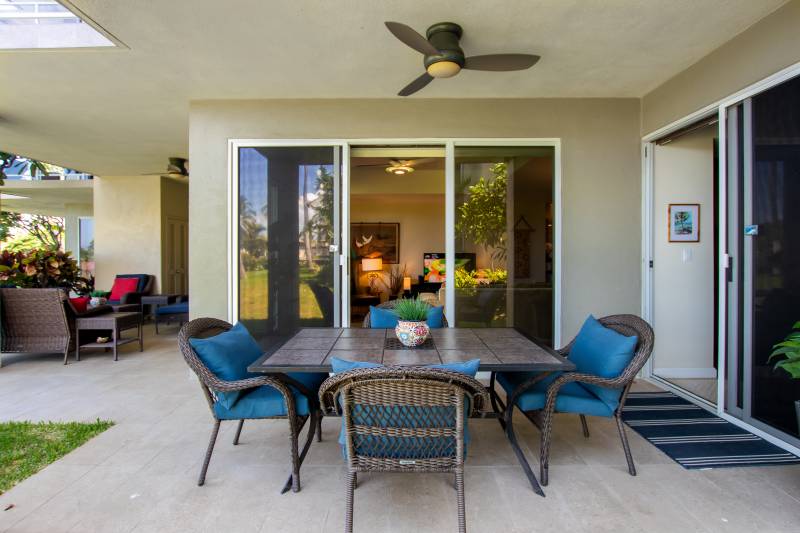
628 325
403 419
390 304
211 385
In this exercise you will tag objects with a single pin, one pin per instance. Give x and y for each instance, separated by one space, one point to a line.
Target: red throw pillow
123 286
80 304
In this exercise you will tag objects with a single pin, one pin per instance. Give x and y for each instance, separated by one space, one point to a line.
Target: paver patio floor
141 474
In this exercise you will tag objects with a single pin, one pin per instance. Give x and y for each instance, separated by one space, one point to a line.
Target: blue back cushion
603 352
386 419
228 355
380 318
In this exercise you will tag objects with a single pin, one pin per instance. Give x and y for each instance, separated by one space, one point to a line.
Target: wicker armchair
211 385
390 304
403 419
627 325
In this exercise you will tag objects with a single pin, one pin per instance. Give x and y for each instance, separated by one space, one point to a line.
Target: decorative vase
96 301
412 332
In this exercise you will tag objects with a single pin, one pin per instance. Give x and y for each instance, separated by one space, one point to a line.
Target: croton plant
41 269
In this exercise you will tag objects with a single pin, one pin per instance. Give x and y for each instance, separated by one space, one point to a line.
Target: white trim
685 373
555 143
449 232
344 252
722 231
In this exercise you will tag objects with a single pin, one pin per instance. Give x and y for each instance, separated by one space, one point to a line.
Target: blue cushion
386 417
381 318
173 309
603 352
266 401
572 397
435 317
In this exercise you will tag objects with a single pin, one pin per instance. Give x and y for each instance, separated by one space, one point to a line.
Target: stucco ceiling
124 111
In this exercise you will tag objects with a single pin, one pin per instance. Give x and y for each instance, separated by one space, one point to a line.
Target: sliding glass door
287 239
763 241
504 238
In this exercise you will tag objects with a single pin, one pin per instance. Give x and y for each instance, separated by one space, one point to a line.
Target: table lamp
372 266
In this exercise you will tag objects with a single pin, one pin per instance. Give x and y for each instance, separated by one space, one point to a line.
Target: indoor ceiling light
399 170
444 69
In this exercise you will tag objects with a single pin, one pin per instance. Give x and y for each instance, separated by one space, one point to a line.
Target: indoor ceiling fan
178 167
444 57
399 167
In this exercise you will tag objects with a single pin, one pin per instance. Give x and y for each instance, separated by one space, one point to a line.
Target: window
86 253
28 24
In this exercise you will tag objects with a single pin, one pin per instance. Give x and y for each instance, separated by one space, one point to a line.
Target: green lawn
253 297
27 447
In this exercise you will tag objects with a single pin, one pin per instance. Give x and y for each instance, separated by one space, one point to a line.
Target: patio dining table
499 350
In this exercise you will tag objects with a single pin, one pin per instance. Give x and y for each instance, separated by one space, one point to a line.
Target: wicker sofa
39 321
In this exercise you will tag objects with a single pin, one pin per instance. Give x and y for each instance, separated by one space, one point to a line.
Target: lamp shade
406 283
371 264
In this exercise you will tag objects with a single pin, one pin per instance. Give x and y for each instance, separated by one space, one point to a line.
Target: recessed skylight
32 24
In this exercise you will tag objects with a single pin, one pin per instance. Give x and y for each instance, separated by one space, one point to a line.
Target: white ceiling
124 111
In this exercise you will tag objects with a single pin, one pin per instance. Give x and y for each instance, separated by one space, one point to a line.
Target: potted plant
412 328
395 285
98 298
788 351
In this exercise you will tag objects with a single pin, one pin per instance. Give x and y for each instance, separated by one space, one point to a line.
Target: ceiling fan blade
420 161
416 85
410 37
501 62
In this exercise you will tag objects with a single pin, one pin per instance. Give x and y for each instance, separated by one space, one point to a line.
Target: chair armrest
591 379
131 298
244 384
94 311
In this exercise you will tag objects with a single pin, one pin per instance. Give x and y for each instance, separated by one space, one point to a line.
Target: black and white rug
695 438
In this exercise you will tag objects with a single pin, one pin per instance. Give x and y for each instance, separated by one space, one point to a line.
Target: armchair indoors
219 354
608 353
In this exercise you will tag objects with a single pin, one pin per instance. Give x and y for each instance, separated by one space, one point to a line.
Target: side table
116 323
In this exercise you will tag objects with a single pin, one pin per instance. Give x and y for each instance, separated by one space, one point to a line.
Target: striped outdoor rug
695 438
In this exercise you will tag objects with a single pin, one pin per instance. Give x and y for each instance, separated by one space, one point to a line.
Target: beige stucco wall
127 222
601 178
768 46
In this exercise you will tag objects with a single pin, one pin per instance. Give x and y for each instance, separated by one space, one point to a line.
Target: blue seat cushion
572 397
267 401
603 352
380 318
401 416
173 309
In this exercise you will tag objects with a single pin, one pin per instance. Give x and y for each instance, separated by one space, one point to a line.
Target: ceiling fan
444 57
178 167
400 167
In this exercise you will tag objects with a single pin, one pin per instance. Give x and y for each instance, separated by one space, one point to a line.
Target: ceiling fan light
444 69
399 170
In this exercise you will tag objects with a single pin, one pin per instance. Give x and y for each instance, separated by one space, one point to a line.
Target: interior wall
601 185
421 218
683 274
768 46
127 226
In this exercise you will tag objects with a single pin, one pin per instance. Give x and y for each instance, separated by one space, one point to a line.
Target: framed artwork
376 239
433 265
684 222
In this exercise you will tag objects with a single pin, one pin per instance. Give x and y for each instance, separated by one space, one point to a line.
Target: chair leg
319 428
544 451
209 451
238 432
625 446
462 519
585 426
351 486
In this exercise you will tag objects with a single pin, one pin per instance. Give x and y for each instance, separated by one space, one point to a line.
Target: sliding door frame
719 107
449 144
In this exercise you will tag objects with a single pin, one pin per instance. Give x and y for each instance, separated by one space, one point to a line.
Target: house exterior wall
765 48
601 178
127 226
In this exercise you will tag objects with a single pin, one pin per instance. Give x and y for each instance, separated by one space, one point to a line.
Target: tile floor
140 475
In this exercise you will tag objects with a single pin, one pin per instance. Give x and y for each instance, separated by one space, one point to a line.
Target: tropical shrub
465 279
411 309
789 352
41 269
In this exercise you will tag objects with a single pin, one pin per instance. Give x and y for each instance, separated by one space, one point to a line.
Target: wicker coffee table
116 323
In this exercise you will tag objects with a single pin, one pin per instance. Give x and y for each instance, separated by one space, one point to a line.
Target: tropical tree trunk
306 229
